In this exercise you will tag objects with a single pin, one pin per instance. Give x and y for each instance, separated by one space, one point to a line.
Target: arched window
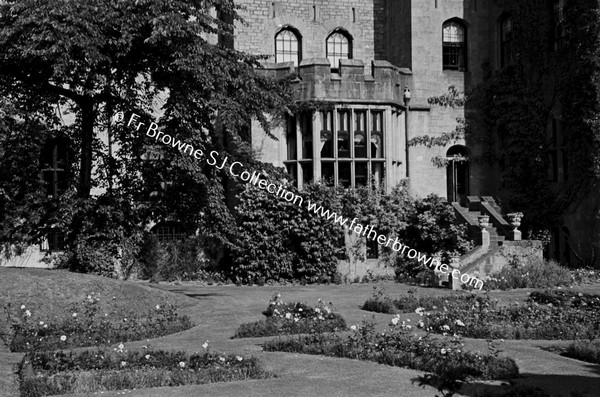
454 46
288 46
506 41
339 46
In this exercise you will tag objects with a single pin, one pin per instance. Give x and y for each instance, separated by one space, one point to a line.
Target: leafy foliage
126 56
508 116
585 351
280 240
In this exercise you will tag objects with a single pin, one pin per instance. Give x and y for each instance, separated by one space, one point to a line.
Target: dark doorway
457 172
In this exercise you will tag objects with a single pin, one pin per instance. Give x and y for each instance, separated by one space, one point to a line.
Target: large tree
93 58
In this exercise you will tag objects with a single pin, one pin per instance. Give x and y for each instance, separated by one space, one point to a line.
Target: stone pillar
484 223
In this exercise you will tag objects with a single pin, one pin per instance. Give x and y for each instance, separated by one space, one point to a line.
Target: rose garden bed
401 347
48 373
85 325
292 318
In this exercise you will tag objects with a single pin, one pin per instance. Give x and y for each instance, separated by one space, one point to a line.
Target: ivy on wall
508 115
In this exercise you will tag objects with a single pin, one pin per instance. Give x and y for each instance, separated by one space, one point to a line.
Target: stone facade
395 45
407 34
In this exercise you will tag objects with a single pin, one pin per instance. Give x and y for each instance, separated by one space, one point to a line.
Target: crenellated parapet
384 85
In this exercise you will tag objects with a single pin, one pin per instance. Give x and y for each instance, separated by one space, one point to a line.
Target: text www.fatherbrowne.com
237 170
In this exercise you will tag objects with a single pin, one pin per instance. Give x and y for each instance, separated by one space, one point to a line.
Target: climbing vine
508 116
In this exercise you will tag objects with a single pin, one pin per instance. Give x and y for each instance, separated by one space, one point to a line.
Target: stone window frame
286 38
326 155
336 41
454 45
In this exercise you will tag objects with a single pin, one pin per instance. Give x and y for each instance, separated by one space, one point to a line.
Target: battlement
385 84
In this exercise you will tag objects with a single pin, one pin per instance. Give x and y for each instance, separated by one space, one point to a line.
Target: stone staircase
496 237
495 242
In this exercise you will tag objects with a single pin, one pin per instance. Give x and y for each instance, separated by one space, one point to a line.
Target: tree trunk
87 137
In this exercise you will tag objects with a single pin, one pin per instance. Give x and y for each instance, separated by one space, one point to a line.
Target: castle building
366 70
376 63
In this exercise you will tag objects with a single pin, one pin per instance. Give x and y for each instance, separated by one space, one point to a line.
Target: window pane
453 33
287 47
377 135
344 174
291 139
377 172
327 173
327 134
291 169
360 135
307 173
361 170
343 135
306 128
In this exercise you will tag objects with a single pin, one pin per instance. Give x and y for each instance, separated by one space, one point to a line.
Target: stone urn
515 219
484 221
454 260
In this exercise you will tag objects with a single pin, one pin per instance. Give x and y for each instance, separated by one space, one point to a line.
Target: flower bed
399 347
379 302
48 373
535 273
484 319
566 298
293 318
85 326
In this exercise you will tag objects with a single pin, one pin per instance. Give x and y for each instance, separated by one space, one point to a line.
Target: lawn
218 311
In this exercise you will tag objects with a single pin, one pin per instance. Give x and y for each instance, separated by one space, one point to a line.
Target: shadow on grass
561 351
527 385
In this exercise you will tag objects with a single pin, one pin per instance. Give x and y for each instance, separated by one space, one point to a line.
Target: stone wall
314 19
501 256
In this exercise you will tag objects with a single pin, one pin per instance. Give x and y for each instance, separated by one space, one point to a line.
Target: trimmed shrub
280 240
588 351
183 259
431 228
